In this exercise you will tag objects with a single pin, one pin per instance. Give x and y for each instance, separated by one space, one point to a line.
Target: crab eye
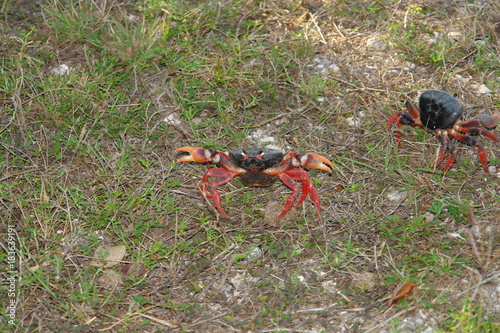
244 155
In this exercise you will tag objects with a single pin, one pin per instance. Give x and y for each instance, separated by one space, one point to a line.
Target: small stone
62 69
333 68
409 66
428 217
454 35
172 119
376 43
254 253
482 89
354 121
396 196
461 79
330 286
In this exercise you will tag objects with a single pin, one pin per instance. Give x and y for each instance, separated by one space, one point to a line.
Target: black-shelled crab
438 113
258 167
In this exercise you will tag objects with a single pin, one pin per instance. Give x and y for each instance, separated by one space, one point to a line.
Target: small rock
172 119
454 35
410 324
354 121
428 217
262 137
273 210
330 286
322 65
108 256
253 63
254 253
461 79
376 43
110 280
434 40
409 66
365 280
62 69
396 196
481 89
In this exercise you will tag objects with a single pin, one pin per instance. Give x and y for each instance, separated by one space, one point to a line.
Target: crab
438 113
258 167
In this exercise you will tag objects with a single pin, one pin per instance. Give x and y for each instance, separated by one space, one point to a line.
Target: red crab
258 167
438 113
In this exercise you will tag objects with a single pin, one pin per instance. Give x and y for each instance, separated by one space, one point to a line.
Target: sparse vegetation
97 95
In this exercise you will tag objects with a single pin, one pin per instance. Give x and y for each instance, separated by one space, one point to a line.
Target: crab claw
315 161
488 121
199 155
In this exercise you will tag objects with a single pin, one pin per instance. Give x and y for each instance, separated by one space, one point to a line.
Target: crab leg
289 181
484 120
444 140
305 192
222 175
291 171
409 117
307 187
394 119
473 142
414 112
453 156
290 178
476 131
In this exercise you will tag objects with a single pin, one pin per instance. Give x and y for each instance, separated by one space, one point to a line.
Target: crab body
258 167
439 113
255 161
439 110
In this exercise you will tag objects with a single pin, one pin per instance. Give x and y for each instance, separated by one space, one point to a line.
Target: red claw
394 119
488 121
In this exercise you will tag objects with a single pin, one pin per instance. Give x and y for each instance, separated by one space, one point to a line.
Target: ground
103 230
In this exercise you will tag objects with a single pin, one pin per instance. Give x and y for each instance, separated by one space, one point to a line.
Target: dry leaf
110 279
108 256
133 269
403 293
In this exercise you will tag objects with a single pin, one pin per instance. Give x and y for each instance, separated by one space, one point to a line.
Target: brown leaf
403 293
108 256
110 279
135 269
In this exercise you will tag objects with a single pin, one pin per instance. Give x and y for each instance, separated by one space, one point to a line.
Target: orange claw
315 161
196 154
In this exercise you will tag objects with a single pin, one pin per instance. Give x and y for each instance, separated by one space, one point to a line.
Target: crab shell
439 110
256 160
